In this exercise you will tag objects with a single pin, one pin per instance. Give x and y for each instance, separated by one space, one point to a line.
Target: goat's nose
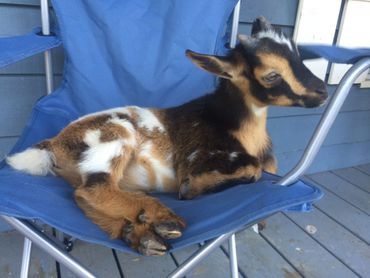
322 91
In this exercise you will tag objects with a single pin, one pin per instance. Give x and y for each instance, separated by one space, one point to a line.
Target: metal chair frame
53 248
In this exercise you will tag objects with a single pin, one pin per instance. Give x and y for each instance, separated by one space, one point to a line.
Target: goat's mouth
314 102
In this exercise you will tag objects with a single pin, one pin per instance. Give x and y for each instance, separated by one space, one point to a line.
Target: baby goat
111 157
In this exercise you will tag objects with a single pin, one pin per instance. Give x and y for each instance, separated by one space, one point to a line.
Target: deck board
349 249
98 259
354 176
307 256
364 168
216 265
11 246
257 258
345 190
146 267
345 214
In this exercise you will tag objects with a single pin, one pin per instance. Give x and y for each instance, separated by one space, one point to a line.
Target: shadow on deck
331 241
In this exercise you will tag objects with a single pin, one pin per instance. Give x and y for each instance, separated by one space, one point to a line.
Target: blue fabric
132 52
51 200
13 49
333 53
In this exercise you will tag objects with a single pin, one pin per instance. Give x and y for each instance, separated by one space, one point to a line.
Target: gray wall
348 143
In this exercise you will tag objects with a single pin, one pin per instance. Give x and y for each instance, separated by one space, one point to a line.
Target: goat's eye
272 77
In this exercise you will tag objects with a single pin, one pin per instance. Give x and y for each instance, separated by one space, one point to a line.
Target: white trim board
316 22
353 32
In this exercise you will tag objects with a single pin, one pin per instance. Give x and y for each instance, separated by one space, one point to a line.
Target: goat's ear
217 65
261 24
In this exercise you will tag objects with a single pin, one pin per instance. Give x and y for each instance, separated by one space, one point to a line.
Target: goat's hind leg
140 220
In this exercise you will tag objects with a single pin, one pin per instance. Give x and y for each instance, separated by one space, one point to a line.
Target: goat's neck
251 131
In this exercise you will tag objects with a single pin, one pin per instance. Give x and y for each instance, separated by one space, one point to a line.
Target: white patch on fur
159 169
192 156
258 111
141 175
131 140
279 38
147 119
233 155
32 161
98 157
124 110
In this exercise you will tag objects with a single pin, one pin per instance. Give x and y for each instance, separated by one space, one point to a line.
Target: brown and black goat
114 156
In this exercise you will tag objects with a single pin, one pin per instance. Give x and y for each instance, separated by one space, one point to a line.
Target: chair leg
26 258
233 257
49 246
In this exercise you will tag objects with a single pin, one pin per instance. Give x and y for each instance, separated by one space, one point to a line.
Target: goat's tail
37 160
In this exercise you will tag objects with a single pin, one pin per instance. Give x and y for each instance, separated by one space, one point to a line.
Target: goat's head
267 68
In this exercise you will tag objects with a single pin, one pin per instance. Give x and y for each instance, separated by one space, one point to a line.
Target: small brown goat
111 157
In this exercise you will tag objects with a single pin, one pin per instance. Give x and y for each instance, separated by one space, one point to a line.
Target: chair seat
50 199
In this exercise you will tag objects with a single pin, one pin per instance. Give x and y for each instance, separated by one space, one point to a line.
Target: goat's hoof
169 229
152 245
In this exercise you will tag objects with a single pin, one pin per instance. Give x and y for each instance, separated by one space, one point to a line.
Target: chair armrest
326 121
334 54
13 49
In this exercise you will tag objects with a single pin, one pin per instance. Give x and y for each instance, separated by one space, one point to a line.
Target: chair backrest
132 52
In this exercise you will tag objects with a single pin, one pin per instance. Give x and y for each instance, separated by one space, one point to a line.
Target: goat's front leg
140 220
208 173
270 164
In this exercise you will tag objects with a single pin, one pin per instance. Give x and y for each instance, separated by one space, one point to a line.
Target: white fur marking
258 111
147 119
192 156
98 157
233 155
131 140
158 168
112 111
32 161
279 38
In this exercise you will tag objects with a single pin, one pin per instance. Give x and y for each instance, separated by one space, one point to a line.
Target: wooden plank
35 64
11 249
10 23
354 17
21 2
354 176
19 93
345 214
352 194
141 266
281 12
97 258
215 265
364 168
256 258
307 256
343 130
312 16
329 157
352 251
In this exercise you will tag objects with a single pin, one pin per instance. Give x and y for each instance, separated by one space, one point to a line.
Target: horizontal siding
293 133
329 157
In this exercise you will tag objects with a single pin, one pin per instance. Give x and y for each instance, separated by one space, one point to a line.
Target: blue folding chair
131 52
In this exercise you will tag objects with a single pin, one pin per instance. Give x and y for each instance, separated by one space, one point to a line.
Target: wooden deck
331 241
